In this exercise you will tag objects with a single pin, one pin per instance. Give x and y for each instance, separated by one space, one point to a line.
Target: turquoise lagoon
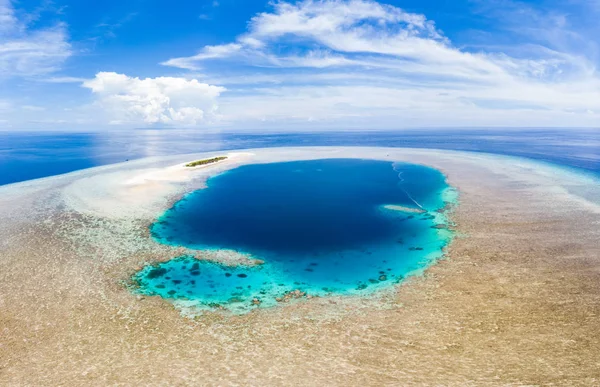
320 226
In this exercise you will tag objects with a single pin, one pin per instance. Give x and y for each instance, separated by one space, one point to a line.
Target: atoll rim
320 226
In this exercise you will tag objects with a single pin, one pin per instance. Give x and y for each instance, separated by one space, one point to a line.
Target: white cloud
311 48
347 26
354 32
208 52
29 52
162 100
8 20
63 80
33 108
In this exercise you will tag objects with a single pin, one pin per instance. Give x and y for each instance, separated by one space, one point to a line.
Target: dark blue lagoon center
342 226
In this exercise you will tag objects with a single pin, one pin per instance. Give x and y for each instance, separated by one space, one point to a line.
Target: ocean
31 155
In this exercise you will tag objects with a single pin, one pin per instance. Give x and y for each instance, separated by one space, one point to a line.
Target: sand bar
395 207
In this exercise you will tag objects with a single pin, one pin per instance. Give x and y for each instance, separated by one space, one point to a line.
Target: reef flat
515 302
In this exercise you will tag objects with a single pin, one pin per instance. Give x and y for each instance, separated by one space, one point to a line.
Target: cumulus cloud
161 100
361 58
26 51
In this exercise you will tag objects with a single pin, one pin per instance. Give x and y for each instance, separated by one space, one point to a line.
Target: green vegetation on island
205 161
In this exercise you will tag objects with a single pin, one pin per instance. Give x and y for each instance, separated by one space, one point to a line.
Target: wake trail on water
403 189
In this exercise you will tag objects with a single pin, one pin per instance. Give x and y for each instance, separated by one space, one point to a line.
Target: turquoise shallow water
320 226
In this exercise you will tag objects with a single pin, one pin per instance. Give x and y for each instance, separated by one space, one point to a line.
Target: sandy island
516 302
395 207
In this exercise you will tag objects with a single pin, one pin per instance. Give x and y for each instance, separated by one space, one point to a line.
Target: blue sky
298 65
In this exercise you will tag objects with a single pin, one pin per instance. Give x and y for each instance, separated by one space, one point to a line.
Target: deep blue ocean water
320 226
25 156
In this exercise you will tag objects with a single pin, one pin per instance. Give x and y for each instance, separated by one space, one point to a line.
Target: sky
298 65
